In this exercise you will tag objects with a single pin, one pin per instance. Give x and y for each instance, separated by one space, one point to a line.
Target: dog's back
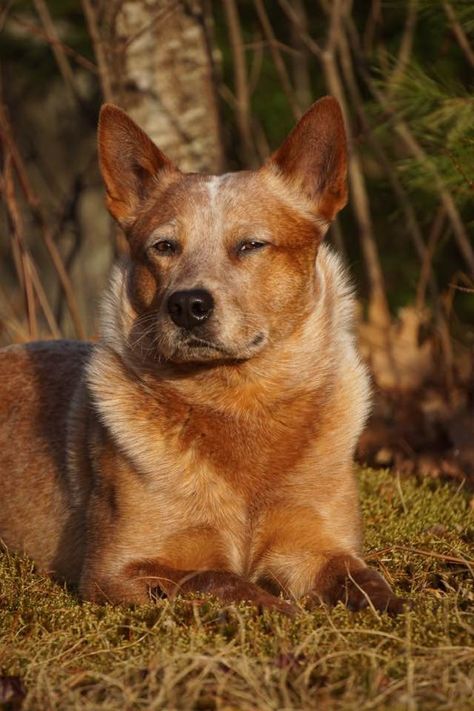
38 385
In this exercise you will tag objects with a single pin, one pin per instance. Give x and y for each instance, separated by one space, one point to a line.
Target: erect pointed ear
129 161
314 157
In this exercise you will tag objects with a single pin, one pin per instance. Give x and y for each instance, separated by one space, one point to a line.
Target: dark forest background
218 84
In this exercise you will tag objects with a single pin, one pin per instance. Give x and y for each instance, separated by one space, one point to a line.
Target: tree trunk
164 77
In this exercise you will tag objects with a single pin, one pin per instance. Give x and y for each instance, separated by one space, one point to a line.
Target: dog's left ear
314 157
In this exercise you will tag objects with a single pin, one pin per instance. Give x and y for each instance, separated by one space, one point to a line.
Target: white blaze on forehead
214 185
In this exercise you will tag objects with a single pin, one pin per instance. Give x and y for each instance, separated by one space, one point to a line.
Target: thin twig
405 49
35 206
425 271
261 141
382 158
99 50
462 238
277 59
38 32
263 44
19 247
226 95
464 289
292 15
337 9
459 33
403 131
256 65
43 301
56 46
419 551
241 83
163 14
4 13
300 57
375 16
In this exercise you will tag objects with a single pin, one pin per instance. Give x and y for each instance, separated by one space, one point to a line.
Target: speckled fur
142 462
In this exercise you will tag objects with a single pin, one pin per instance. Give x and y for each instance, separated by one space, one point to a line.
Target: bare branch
425 271
22 259
41 34
241 82
35 206
4 13
406 46
293 16
403 131
382 158
300 57
56 46
163 14
277 59
459 33
375 16
99 50
338 9
256 64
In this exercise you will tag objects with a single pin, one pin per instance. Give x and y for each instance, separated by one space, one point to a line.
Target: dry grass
187 655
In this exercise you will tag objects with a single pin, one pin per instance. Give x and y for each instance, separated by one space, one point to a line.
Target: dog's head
221 266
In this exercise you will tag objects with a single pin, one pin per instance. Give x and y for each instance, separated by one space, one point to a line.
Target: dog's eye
250 246
165 247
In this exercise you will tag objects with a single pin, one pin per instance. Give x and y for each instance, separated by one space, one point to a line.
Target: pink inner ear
314 157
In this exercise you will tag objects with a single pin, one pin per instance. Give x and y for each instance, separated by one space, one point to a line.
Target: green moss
195 655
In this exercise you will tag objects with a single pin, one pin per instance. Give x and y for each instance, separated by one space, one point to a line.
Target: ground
56 653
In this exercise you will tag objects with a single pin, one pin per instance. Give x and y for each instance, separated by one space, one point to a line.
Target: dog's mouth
199 343
195 348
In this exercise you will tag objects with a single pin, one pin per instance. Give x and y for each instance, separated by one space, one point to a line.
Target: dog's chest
202 485
198 481
195 518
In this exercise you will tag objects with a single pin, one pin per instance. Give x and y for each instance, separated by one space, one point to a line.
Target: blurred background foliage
218 84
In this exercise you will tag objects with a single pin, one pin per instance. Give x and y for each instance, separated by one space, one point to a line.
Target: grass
196 655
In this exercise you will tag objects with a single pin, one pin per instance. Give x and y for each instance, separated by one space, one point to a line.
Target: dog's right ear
129 161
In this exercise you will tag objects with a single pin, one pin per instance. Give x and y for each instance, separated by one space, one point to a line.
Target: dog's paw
230 588
367 588
346 579
270 602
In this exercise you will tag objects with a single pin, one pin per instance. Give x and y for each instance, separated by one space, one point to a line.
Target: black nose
190 308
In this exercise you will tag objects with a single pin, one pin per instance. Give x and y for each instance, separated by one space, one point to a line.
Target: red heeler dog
205 443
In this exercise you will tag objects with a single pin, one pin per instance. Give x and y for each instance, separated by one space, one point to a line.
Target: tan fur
149 460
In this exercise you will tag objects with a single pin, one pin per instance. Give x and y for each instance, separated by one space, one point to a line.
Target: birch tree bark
165 77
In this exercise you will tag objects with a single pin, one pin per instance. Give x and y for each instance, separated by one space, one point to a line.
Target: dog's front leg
307 554
144 580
